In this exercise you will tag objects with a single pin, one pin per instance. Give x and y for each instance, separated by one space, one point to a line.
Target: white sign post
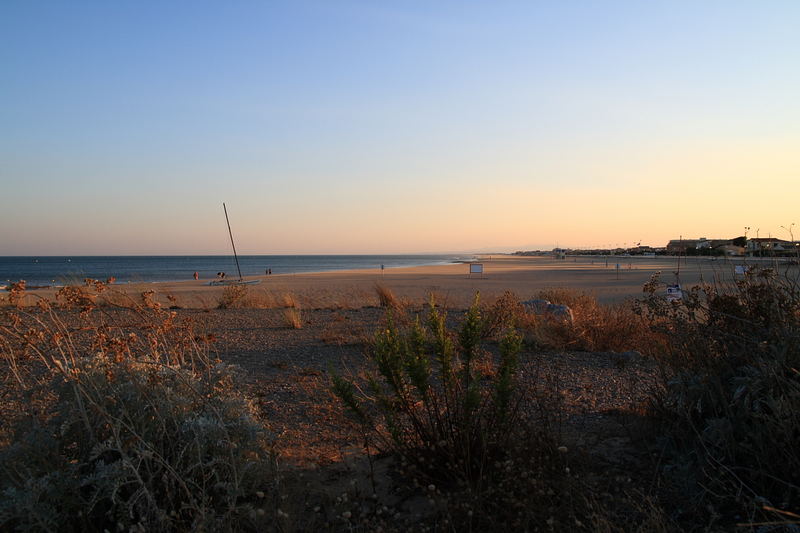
674 293
476 268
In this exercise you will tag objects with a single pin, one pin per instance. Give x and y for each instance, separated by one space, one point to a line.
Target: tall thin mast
232 245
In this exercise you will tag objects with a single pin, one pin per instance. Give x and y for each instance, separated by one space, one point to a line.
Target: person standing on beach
196 276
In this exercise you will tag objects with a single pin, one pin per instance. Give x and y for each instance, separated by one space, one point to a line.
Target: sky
394 127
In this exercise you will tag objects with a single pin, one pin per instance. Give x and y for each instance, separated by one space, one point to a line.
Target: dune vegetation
121 414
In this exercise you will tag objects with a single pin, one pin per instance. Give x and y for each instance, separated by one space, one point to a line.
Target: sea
64 270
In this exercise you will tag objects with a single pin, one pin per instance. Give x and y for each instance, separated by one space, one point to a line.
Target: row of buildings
739 246
764 246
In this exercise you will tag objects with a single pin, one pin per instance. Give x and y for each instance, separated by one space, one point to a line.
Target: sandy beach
610 279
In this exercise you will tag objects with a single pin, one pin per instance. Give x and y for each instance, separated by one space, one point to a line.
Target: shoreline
298 264
451 283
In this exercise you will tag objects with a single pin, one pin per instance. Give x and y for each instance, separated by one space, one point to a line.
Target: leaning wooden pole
232 245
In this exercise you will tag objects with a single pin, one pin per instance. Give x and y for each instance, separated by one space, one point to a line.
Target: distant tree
740 241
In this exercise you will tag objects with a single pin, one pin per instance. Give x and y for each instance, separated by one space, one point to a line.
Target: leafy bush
135 445
733 387
442 404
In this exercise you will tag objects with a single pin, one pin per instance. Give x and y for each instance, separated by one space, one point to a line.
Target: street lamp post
746 229
791 236
758 241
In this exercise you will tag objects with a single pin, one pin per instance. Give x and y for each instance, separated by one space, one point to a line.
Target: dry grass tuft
288 300
117 298
232 296
293 317
386 297
258 299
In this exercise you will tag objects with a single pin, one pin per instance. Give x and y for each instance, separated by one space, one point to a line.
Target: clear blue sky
394 127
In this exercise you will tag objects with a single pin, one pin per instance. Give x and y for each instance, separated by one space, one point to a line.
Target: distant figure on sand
196 276
269 271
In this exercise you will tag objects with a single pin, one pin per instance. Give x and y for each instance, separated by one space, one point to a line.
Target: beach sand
451 284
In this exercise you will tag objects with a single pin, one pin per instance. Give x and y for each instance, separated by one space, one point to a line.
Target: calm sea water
51 270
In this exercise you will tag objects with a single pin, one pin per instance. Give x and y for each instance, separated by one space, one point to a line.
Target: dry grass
630 513
232 296
131 410
136 427
293 318
386 297
596 327
288 300
116 298
259 299
16 294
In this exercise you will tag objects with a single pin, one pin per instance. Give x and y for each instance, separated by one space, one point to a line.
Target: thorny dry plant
138 426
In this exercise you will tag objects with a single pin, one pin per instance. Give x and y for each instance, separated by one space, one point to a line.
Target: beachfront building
770 246
703 246
679 246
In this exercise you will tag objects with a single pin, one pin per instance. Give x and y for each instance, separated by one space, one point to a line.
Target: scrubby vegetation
125 420
456 419
386 297
135 445
232 296
122 430
732 394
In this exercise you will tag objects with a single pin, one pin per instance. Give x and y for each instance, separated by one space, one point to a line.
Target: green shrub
136 445
440 401
733 388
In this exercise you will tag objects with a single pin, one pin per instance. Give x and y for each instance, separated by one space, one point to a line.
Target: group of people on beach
221 275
